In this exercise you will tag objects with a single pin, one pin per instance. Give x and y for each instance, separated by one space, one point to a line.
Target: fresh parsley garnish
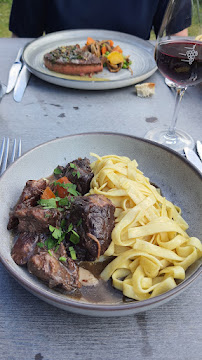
56 233
49 203
40 244
57 171
74 237
50 243
72 253
70 227
62 258
72 165
71 188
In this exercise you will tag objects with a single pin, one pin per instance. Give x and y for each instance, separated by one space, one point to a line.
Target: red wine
180 61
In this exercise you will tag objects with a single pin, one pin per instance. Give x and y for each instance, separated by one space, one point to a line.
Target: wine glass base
177 142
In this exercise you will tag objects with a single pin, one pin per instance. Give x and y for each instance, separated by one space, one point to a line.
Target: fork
4 153
2 90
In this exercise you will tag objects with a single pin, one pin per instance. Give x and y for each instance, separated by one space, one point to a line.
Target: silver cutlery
2 90
199 149
21 84
4 153
14 72
193 158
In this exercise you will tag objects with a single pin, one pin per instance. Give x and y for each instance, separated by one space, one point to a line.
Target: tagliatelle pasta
149 241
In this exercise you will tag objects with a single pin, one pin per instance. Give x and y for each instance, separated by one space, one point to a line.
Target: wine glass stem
179 94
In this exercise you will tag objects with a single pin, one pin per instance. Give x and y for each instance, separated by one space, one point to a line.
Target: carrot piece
103 49
62 192
63 180
90 41
117 48
111 43
48 194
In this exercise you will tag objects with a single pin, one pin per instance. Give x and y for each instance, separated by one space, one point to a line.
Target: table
32 329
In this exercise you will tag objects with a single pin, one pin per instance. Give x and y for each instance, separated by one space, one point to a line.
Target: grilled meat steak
95 216
72 60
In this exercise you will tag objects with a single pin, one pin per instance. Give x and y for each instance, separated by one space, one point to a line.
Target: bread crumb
145 89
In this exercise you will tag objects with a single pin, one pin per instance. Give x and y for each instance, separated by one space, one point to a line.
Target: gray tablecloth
31 329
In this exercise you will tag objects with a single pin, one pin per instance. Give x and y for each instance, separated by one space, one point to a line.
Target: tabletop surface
30 328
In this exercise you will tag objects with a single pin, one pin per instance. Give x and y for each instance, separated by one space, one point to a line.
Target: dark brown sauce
103 292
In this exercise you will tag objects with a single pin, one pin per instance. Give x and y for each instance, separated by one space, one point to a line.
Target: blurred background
5 8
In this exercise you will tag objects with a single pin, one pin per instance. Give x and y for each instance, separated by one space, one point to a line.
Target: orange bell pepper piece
90 41
117 48
103 49
111 43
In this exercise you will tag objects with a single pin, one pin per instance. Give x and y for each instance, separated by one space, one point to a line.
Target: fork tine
19 148
2 150
5 157
13 151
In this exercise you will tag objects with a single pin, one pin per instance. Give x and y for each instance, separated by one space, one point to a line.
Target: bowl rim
68 303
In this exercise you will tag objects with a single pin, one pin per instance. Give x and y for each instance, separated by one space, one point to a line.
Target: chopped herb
72 189
64 201
40 244
74 237
63 223
56 233
78 174
70 227
72 253
61 238
75 233
50 253
73 166
50 243
48 203
62 258
74 173
79 222
56 248
57 171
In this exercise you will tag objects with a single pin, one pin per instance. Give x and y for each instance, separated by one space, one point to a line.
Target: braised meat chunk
29 197
92 218
60 275
24 247
80 174
37 219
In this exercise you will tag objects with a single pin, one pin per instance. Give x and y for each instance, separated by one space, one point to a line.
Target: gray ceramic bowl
179 181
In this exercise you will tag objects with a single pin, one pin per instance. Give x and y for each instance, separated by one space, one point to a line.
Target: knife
193 158
21 84
14 71
199 149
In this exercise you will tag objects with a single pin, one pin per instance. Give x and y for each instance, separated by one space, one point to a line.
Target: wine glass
180 60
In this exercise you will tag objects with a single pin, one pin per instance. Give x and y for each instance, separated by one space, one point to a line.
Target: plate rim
69 304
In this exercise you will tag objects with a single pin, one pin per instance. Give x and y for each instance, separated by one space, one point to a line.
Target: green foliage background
5 7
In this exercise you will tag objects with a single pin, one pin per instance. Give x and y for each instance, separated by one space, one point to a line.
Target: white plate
141 54
164 167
